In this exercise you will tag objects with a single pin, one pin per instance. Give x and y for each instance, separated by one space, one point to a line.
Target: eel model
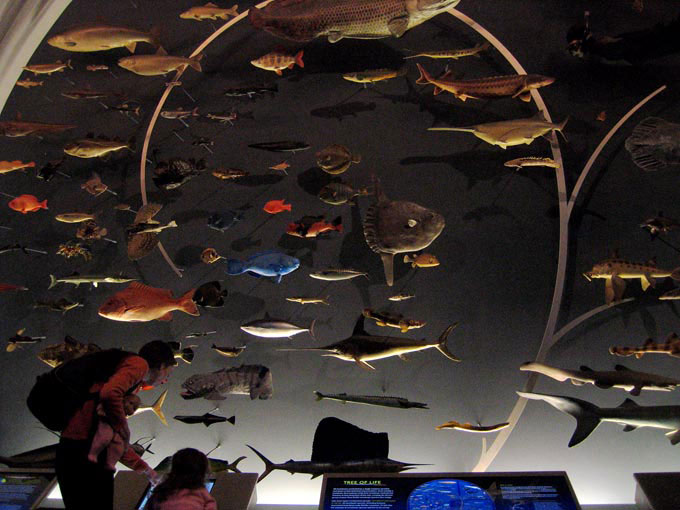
624 378
589 416
372 400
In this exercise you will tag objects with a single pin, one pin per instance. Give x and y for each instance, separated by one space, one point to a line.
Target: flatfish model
303 20
269 263
361 347
253 380
516 85
396 226
335 159
654 144
140 303
508 133
70 348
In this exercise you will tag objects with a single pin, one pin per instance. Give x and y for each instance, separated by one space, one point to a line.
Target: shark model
624 378
671 347
361 347
589 416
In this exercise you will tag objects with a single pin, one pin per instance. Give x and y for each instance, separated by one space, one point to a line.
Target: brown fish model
671 347
18 127
140 303
158 64
454 54
392 321
303 20
469 427
516 85
96 147
100 37
396 226
48 69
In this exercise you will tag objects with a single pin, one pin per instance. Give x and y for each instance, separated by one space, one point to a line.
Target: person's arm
128 374
136 463
210 503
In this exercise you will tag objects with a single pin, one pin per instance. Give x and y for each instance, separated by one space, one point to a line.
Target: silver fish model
253 380
216 465
372 400
303 20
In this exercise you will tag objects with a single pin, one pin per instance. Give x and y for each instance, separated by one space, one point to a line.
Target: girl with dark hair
184 487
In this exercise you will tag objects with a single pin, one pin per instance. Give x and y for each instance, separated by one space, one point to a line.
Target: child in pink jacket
184 487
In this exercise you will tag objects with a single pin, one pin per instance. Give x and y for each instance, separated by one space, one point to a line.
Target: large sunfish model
589 416
397 226
624 378
362 347
303 20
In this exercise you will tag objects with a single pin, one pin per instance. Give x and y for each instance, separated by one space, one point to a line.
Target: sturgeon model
303 20
372 400
514 85
319 468
624 378
589 416
95 280
361 347
615 270
671 347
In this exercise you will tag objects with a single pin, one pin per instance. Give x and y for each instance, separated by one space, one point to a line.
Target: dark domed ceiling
506 241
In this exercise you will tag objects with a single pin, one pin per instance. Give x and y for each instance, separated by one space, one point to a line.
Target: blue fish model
265 263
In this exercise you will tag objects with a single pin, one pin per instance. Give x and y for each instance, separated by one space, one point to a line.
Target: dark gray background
498 250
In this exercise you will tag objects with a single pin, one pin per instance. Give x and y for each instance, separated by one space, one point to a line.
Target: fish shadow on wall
313 179
476 166
258 180
295 244
188 256
343 109
245 243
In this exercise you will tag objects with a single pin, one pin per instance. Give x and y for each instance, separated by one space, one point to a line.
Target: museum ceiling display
422 218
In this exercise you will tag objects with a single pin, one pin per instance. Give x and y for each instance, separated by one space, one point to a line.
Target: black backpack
59 393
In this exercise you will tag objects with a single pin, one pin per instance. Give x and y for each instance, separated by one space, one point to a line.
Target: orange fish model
277 206
10 166
422 260
277 61
27 84
27 203
140 303
312 226
4 287
48 69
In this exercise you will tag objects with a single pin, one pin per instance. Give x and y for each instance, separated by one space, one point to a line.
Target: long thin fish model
372 400
671 347
303 20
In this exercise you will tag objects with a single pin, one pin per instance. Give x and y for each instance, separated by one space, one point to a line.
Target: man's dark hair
157 353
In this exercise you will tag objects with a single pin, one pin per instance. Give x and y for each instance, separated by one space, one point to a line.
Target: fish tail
424 77
196 62
68 64
287 207
194 112
53 282
586 414
311 329
157 408
43 204
408 259
235 266
441 346
319 395
337 223
173 223
298 58
675 275
560 127
325 300
232 420
269 466
131 143
255 17
233 11
233 465
187 304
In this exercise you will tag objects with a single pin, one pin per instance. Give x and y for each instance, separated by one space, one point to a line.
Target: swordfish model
361 347
624 378
589 416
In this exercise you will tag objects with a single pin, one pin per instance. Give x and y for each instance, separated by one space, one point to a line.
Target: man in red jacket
86 485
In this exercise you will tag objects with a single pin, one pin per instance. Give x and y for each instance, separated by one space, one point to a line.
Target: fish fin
214 395
269 466
424 77
577 382
195 62
441 345
628 428
439 90
334 36
359 327
675 275
298 58
53 282
157 408
278 278
319 395
388 265
187 303
646 281
131 47
278 71
311 329
398 25
233 465
363 364
232 420
166 317
525 96
619 287
674 436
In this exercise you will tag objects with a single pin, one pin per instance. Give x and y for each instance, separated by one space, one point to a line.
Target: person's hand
154 478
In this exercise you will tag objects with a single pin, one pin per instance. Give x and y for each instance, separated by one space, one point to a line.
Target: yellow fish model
277 61
159 63
48 69
95 147
374 75
209 11
100 37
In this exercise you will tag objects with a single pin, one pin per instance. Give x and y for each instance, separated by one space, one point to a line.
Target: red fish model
312 226
140 303
27 203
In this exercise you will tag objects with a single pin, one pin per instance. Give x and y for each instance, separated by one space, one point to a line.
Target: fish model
270 263
224 221
421 260
179 114
48 69
398 402
277 206
282 146
338 193
74 217
275 328
4 287
396 226
96 147
670 346
209 11
43 457
210 295
159 63
392 321
226 174
27 84
19 339
654 144
156 408
70 348
252 91
84 94
614 271
469 427
361 347
515 85
282 167
140 236
624 378
186 354
140 303
76 279
62 305
206 419
629 414
253 380
309 300
508 133
27 203
374 75
216 465
277 61
334 275
303 20
11 166
100 37
94 185
315 469
401 297
335 159
97 67
18 127
660 225
454 54
519 163
313 226
228 352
